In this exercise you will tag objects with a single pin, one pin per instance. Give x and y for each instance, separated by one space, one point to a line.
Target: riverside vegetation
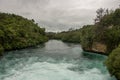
66 36
102 37
17 32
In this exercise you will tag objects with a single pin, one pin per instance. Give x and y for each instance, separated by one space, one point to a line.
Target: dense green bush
17 32
113 63
111 38
87 36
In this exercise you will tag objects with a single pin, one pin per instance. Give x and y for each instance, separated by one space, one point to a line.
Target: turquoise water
54 60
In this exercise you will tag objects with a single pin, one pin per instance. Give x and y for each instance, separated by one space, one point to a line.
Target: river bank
17 32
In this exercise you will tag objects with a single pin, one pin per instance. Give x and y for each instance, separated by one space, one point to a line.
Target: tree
100 14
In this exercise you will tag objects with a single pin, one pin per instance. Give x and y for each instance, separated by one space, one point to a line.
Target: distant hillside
66 36
17 32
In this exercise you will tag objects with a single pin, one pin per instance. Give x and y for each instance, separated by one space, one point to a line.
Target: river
54 60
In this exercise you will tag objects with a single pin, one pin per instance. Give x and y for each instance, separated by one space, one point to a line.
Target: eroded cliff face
97 47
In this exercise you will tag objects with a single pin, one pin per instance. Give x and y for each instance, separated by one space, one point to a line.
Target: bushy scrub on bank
113 63
17 32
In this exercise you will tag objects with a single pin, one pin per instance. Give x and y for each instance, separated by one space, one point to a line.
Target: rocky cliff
97 47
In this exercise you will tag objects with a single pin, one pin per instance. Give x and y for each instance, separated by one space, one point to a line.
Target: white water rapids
54 60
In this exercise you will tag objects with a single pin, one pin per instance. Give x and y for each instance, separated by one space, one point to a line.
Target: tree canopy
17 32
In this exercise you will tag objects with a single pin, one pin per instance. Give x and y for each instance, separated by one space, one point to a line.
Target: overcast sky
57 15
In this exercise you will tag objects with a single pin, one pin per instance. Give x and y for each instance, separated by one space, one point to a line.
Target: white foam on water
53 71
63 62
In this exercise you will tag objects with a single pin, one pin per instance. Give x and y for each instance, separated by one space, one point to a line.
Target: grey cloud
57 15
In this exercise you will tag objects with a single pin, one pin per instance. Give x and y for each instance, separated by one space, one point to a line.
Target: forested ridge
17 32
